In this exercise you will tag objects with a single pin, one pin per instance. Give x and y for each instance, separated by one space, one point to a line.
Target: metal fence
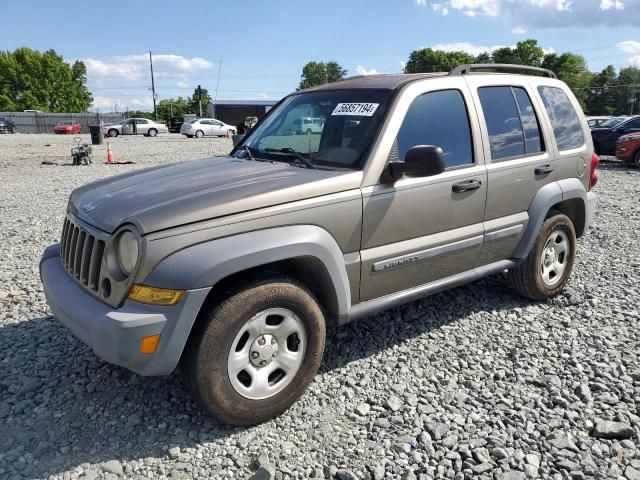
31 122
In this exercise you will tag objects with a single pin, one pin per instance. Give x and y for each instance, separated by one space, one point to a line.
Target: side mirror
420 161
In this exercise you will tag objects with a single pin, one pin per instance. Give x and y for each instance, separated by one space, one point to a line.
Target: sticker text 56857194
356 109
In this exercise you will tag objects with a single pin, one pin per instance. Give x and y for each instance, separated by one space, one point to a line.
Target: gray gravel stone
113 466
473 368
616 430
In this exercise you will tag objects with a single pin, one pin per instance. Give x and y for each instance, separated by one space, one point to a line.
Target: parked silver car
135 126
199 127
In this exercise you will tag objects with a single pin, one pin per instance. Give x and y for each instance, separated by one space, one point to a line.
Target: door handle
466 186
544 169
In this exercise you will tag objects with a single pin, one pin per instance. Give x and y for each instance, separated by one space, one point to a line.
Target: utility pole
153 88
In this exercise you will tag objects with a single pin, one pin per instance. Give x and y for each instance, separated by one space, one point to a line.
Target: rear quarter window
563 117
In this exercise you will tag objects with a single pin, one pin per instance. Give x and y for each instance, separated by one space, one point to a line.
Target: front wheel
254 354
113 132
546 270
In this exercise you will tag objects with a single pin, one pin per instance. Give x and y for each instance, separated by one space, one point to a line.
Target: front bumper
115 334
624 153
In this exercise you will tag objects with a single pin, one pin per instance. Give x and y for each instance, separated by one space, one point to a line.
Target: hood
176 194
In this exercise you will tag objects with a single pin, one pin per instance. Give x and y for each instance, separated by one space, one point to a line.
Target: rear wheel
13 129
254 354
199 134
636 159
546 270
112 132
152 132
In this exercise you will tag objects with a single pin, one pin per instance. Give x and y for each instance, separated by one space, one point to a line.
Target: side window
530 125
564 119
506 136
632 125
438 118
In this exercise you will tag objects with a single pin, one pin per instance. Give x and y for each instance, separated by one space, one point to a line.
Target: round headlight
127 252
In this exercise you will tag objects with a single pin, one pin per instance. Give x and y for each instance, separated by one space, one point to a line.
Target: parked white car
199 127
135 126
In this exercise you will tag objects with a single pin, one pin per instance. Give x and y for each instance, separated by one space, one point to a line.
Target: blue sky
263 45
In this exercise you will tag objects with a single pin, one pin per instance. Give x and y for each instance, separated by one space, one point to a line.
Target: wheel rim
267 353
555 258
199 134
152 133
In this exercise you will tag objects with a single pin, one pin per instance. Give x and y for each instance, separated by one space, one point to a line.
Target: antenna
215 97
153 88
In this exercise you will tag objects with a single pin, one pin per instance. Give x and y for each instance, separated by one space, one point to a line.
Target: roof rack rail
470 68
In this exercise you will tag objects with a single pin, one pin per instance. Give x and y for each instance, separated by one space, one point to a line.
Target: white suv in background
200 127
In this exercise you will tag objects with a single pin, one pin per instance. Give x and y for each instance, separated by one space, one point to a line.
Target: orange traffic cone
110 156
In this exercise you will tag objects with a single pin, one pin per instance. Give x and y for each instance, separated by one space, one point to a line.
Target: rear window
564 119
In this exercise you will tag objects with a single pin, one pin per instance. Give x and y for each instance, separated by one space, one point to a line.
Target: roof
243 103
387 81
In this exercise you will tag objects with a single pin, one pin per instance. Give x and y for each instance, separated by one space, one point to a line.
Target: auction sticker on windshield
356 109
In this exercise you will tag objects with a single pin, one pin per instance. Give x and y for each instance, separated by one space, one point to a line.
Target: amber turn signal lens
155 295
149 344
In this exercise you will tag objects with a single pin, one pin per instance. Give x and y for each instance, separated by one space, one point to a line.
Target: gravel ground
472 383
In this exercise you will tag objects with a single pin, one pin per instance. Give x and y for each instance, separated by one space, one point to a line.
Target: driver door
127 127
420 230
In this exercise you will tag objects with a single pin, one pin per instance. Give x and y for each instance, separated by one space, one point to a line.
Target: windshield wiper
247 150
291 151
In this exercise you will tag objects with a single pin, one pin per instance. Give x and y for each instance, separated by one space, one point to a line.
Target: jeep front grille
81 254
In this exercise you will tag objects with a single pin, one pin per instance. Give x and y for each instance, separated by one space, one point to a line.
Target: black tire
207 355
636 159
527 278
112 132
189 136
199 134
13 130
152 132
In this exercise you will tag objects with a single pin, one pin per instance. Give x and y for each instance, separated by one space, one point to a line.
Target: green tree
319 73
626 94
193 102
174 107
600 92
571 69
429 60
30 79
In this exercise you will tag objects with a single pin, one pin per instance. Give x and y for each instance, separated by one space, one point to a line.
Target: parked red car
628 148
67 126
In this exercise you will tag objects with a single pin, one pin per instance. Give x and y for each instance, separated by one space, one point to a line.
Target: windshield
332 128
613 122
65 123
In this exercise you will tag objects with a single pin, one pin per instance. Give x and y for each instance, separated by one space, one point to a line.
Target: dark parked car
605 138
7 126
175 124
